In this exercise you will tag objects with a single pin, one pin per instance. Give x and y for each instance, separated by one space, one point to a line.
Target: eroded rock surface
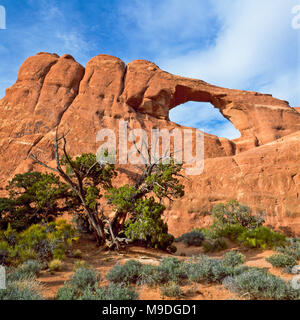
261 168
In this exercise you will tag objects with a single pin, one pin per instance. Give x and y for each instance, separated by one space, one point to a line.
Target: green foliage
26 289
143 204
28 270
148 225
33 197
21 282
194 238
128 273
234 258
172 290
114 291
171 270
206 269
232 231
281 260
259 284
292 249
234 213
84 277
262 238
83 285
42 242
214 245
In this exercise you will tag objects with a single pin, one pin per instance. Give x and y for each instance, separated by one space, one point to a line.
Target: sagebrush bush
292 249
171 269
84 277
234 258
114 291
193 238
147 275
172 290
281 260
128 273
83 285
206 269
259 284
25 289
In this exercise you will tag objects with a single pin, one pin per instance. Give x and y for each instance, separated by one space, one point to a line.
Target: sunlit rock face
261 168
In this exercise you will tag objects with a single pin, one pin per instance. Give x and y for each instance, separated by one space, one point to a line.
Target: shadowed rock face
261 168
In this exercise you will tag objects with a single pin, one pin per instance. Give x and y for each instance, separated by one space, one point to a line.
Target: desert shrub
259 284
67 293
172 290
24 289
147 275
234 213
234 258
262 238
33 197
232 231
77 254
281 260
193 238
83 285
170 270
214 245
80 264
206 269
55 265
114 291
148 226
292 249
38 242
128 273
84 277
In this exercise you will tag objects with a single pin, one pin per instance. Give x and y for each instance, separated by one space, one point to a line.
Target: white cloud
255 48
251 46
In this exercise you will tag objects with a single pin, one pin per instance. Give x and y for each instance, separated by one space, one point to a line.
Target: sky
241 44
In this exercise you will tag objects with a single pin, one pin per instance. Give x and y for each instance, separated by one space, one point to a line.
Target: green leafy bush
193 238
282 261
234 258
38 242
234 213
214 245
262 238
148 226
33 197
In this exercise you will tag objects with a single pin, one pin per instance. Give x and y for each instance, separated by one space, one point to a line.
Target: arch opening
204 116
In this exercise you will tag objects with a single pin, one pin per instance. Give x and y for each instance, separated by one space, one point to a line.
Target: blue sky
240 44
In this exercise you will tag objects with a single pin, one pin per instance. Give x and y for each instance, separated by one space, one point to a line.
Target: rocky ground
103 261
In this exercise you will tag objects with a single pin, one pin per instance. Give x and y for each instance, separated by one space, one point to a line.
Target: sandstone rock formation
261 168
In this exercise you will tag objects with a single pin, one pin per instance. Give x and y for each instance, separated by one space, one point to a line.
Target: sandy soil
103 261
